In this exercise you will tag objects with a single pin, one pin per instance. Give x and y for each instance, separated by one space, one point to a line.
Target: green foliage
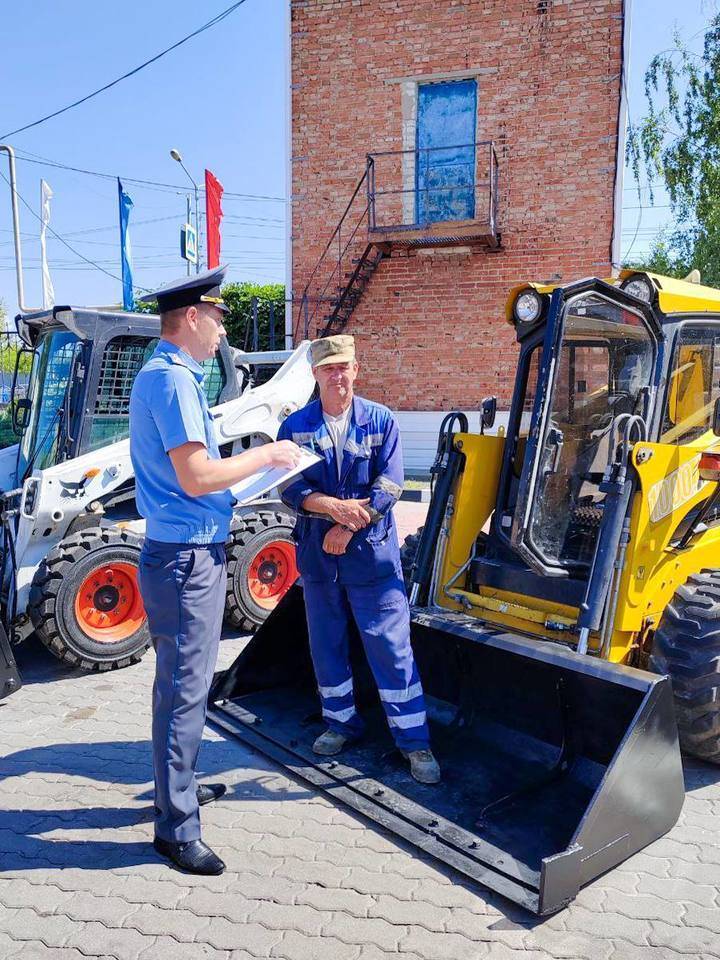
142 307
679 142
239 322
9 350
7 434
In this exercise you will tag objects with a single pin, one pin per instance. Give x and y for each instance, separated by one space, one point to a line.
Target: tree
678 140
239 322
270 305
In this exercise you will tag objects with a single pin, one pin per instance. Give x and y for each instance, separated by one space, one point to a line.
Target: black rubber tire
255 530
686 646
54 589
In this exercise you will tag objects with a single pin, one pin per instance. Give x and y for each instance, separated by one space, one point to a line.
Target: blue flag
125 251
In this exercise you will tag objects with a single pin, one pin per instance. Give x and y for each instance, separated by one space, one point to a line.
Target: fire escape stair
341 308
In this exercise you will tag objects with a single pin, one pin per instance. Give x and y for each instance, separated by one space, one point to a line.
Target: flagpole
187 220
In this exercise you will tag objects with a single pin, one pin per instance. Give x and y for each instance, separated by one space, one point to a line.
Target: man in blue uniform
182 491
349 559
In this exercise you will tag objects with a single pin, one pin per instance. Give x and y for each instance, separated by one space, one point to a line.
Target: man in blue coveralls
182 491
349 558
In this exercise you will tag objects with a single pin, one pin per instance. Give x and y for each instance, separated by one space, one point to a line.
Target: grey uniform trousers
183 589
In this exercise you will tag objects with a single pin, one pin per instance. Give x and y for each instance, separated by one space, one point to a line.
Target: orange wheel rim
108 605
273 571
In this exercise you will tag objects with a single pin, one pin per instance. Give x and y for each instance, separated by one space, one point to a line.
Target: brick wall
430 326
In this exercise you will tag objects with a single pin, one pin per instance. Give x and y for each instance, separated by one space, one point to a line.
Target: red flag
213 212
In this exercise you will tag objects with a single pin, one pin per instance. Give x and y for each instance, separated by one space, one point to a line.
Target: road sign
188 243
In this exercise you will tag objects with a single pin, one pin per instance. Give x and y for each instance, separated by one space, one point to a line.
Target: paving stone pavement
306 880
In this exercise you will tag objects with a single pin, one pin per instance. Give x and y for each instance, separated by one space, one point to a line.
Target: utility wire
62 239
152 184
130 73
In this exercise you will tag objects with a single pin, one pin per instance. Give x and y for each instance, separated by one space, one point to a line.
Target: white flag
48 292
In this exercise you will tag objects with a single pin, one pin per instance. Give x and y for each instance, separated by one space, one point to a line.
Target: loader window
603 368
693 385
122 360
48 394
531 372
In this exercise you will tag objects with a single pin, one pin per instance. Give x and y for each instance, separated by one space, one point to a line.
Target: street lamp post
175 154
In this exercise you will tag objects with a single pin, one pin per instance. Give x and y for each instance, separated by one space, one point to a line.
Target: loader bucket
556 767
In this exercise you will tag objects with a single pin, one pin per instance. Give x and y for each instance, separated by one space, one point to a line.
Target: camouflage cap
337 349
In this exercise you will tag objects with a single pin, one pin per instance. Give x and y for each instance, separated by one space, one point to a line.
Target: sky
652 27
221 101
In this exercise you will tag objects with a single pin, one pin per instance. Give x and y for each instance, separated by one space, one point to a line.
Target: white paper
251 488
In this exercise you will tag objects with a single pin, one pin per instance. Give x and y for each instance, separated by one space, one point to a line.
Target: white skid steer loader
71 533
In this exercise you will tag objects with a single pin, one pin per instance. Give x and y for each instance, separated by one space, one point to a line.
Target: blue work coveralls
182 575
364 584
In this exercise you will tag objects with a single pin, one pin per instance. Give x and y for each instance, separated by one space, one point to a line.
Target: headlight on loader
638 286
528 306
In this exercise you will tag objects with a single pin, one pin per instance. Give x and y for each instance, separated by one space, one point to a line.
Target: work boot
329 743
207 792
192 857
423 766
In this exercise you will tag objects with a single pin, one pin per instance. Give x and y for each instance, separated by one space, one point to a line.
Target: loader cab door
598 363
54 402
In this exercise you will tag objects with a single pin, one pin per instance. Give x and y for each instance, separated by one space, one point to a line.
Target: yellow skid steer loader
565 596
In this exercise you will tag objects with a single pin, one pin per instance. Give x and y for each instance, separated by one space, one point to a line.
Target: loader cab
589 360
84 363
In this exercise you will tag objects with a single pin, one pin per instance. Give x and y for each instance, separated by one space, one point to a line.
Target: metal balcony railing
422 197
433 194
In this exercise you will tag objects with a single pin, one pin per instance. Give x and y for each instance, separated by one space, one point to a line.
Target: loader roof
82 321
672 296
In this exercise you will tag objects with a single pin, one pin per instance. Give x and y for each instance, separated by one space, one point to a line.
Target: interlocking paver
445 946
680 891
167 948
364 881
568 946
183 925
685 940
306 880
36 950
296 946
328 898
252 937
278 916
94 938
646 907
608 926
26 924
9 947
353 930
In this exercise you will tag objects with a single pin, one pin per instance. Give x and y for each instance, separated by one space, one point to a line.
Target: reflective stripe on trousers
380 611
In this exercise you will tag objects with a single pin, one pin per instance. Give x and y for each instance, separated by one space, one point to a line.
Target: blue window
445 167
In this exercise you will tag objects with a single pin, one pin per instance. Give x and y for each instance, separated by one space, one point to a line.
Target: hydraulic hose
618 487
445 470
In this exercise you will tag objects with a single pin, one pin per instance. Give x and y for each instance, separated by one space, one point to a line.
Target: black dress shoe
193 856
207 792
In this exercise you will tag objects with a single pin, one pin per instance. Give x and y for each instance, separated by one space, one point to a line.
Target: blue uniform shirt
371 468
168 407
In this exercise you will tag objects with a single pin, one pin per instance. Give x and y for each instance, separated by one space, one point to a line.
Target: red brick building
494 127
